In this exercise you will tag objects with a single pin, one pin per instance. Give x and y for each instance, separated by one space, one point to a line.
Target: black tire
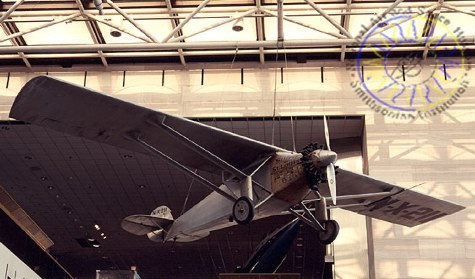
330 233
243 211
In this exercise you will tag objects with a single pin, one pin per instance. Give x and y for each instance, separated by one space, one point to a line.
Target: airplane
259 180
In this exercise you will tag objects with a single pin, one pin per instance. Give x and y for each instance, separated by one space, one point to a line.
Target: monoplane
258 179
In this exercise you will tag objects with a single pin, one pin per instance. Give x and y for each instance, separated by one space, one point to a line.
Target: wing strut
199 149
134 136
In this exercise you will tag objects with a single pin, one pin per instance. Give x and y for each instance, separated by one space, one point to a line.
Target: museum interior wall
434 154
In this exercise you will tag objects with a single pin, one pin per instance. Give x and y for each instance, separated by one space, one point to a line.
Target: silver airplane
258 180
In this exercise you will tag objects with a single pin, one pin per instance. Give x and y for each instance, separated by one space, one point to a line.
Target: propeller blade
332 181
327 133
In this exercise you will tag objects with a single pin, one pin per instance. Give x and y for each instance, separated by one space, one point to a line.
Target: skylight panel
69 32
223 32
294 31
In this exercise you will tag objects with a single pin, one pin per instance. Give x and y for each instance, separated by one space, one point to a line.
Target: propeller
331 177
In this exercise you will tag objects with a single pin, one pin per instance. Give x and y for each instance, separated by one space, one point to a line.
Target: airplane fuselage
288 182
283 175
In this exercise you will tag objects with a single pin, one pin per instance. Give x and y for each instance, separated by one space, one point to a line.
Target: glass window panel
73 32
223 32
293 31
454 24
3 35
408 30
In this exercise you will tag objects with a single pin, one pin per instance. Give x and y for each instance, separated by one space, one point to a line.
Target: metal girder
7 31
260 31
132 21
121 29
55 21
327 17
346 25
185 21
214 25
92 32
392 25
174 25
336 35
11 10
224 45
180 15
431 25
382 15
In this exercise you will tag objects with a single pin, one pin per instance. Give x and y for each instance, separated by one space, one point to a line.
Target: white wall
438 151
12 267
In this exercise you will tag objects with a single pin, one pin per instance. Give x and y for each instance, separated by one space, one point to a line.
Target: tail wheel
243 211
330 233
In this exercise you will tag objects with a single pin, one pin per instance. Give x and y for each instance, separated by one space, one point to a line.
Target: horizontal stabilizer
143 224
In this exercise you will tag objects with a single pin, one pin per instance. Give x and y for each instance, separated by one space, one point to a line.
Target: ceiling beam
7 31
331 20
214 25
11 10
174 22
382 16
92 32
260 30
132 21
55 21
306 25
223 45
346 25
185 21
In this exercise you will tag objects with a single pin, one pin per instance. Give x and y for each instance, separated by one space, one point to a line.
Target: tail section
153 225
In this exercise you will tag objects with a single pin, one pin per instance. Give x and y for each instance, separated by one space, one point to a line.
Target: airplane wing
143 224
82 112
371 197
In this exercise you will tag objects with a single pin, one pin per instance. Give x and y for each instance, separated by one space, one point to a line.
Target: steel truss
176 44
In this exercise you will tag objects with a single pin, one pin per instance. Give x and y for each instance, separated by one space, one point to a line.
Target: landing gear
243 211
330 233
327 230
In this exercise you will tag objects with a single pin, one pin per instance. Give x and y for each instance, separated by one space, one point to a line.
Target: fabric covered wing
398 205
79 111
143 224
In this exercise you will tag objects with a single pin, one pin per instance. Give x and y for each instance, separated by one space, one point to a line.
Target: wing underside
388 202
143 224
82 112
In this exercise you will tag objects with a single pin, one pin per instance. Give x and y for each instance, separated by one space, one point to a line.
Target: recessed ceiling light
50 187
97 227
44 178
141 186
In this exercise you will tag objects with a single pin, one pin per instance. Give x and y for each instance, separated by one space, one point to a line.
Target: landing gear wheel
330 233
243 211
